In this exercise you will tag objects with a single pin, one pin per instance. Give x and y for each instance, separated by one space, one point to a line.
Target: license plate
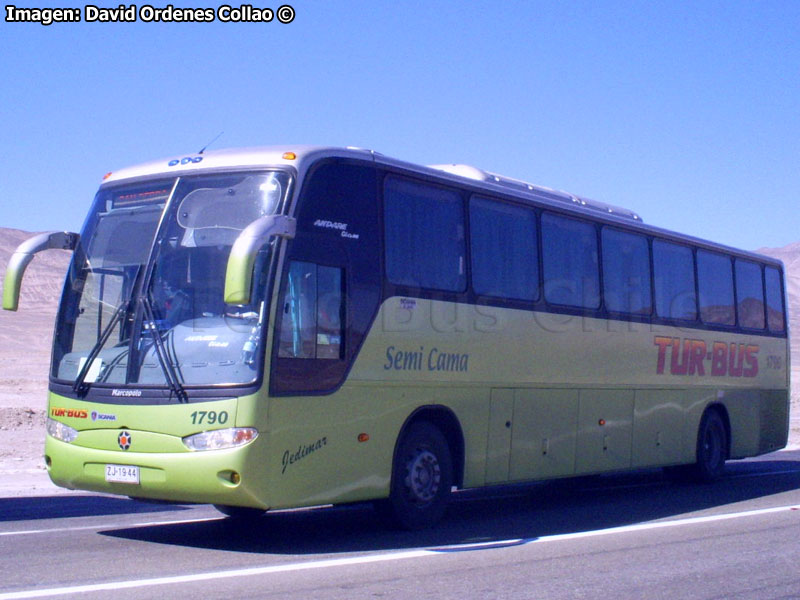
122 474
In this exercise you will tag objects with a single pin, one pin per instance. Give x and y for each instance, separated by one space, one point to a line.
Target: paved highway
623 536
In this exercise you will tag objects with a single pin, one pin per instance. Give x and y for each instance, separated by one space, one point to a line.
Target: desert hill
25 336
25 339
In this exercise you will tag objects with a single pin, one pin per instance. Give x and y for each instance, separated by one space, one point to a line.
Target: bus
269 328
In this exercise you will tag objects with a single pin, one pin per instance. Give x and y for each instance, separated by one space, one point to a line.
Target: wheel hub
424 476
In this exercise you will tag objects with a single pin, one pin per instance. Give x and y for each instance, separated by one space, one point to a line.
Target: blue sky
687 112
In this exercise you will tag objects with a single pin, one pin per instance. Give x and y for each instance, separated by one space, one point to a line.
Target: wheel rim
424 477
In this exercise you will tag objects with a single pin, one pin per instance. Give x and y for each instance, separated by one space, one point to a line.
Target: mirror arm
239 273
23 255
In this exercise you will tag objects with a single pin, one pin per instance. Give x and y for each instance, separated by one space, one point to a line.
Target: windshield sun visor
215 216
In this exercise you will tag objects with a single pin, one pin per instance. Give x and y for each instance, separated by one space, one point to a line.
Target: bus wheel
712 447
240 512
422 476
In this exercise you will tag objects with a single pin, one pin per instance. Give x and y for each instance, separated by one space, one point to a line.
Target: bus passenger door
498 443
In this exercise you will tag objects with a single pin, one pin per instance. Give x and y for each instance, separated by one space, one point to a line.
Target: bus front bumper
214 477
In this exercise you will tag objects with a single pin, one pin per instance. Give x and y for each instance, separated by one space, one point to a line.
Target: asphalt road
626 536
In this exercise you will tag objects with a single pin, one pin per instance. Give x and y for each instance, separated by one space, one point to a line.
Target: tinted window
626 272
715 284
505 260
424 236
571 273
775 318
311 326
673 271
749 294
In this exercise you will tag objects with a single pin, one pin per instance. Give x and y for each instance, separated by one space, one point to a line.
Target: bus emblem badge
124 440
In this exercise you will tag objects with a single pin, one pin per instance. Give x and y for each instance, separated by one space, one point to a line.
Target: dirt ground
22 471
23 401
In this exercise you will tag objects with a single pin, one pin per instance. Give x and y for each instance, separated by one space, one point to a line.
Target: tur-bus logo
688 357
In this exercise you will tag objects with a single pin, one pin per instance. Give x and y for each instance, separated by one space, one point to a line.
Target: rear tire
422 477
712 448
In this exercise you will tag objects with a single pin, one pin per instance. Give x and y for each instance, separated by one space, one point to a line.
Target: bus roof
301 157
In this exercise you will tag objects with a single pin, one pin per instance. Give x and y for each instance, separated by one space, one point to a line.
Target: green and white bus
286 327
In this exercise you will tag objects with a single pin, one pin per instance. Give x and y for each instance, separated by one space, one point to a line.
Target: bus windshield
143 301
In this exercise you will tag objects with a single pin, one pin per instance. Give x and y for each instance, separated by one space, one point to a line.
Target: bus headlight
220 439
62 432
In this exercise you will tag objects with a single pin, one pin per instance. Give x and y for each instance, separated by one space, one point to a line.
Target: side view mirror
239 273
23 255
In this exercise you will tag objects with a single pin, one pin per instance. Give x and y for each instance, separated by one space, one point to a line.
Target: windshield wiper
80 385
170 374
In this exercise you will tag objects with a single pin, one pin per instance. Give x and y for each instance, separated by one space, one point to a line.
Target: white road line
136 583
662 524
376 558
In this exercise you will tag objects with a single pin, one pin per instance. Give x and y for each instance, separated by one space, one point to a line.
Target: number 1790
209 417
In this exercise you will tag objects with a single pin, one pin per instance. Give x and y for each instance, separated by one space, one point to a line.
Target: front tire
422 477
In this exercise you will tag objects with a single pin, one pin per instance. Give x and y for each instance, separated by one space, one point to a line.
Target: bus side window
626 272
715 283
570 259
311 323
673 273
424 230
749 294
505 261
775 308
